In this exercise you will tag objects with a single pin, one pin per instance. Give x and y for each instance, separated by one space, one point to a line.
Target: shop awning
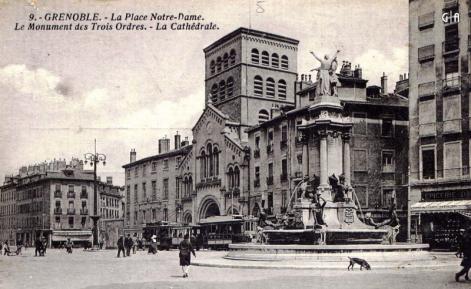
441 207
62 235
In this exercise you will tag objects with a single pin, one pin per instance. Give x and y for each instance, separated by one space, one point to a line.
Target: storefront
78 237
439 222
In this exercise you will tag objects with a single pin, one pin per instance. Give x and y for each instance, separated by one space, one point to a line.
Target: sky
60 90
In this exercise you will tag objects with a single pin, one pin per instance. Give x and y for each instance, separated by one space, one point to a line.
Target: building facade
439 111
52 200
247 147
376 167
150 186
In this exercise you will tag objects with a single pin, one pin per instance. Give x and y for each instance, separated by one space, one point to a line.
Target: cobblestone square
102 269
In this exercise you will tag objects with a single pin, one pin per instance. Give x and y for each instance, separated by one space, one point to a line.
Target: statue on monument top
326 77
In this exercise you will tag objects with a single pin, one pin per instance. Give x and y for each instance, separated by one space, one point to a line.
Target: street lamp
94 159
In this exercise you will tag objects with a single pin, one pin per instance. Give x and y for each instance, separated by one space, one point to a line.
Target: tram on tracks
220 231
169 235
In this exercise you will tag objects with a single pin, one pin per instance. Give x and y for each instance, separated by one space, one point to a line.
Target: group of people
128 243
40 247
464 251
7 251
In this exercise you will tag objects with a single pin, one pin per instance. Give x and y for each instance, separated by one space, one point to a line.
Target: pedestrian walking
68 246
6 249
38 245
128 245
186 250
44 246
120 245
466 262
153 245
134 243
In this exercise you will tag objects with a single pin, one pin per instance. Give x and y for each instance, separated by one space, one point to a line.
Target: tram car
169 235
220 231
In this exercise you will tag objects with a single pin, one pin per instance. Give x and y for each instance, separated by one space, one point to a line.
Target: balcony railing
58 211
451 46
83 211
256 153
452 83
256 183
270 180
70 211
57 194
71 195
459 174
84 195
269 149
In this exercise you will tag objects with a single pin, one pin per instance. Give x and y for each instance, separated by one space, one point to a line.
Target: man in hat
120 245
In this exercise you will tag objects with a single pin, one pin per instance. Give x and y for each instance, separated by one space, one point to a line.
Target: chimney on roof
384 83
109 180
185 142
164 145
177 140
132 156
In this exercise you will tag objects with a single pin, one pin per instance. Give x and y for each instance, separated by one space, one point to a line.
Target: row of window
264 58
222 90
209 161
184 185
228 59
144 168
7 196
452 162
145 197
144 218
8 210
269 88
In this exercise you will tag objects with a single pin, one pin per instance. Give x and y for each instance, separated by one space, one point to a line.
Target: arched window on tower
236 177
275 60
218 64
216 160
185 187
203 165
232 56
230 178
265 58
284 62
222 90
209 148
258 85
281 88
190 185
255 57
212 67
214 93
230 87
270 84
263 116
225 60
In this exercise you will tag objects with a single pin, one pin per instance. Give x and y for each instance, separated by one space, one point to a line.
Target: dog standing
360 262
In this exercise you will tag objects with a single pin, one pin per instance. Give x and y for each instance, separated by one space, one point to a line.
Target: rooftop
252 32
181 151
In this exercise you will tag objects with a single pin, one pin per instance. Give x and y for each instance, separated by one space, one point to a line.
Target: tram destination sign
446 195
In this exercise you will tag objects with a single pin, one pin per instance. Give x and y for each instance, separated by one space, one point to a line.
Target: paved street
103 270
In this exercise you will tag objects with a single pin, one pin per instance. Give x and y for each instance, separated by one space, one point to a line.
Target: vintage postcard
235 144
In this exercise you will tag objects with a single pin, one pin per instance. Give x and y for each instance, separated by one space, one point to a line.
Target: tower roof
252 32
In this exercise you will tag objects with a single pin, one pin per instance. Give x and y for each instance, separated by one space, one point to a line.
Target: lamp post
94 159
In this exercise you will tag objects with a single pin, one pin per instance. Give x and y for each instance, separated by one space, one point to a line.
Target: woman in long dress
186 249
